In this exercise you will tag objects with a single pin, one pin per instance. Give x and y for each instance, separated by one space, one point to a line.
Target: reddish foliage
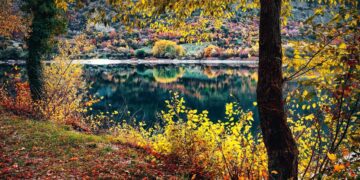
20 102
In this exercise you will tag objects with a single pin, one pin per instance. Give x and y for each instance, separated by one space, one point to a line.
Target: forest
164 89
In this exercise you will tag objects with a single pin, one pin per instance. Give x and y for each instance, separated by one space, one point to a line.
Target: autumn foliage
202 148
322 109
167 49
66 96
11 20
20 101
212 51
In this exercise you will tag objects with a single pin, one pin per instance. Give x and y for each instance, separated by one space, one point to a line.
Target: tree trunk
44 26
280 144
33 64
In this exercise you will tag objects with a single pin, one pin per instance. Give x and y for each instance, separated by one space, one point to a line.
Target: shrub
167 49
225 30
66 89
212 51
13 54
134 44
228 53
140 53
195 50
244 53
123 50
200 146
17 101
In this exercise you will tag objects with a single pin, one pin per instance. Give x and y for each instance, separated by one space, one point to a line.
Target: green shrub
13 54
140 53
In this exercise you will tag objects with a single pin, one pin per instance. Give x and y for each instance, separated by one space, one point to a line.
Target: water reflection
144 88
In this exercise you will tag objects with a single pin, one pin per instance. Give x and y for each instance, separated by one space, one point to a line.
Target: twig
291 77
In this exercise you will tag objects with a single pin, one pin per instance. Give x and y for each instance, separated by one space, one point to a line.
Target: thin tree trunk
280 144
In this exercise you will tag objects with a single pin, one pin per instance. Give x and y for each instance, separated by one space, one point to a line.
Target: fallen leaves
31 154
74 159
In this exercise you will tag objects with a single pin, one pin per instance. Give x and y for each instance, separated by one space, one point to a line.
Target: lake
143 88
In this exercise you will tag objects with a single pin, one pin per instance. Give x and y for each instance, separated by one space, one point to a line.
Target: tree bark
33 64
44 26
280 145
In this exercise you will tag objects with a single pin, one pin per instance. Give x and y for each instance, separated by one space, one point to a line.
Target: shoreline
163 62
147 61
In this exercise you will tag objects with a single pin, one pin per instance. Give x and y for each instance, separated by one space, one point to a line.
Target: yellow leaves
318 11
297 54
249 116
299 128
207 142
309 117
62 4
314 105
168 49
303 107
65 86
332 157
229 109
342 46
324 81
347 16
305 93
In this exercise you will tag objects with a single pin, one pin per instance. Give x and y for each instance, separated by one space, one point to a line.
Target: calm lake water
144 88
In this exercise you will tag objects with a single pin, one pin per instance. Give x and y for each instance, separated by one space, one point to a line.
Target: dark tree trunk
280 144
33 65
45 25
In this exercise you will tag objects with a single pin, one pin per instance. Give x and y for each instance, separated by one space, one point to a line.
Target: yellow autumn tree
11 20
66 89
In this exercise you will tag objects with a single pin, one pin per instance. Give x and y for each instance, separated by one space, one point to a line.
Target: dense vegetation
237 38
311 131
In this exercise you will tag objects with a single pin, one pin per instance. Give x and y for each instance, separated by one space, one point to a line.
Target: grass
192 49
40 149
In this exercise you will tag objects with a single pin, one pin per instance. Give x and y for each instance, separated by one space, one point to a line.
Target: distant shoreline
148 61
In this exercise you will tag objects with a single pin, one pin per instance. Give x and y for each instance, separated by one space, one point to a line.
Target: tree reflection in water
146 87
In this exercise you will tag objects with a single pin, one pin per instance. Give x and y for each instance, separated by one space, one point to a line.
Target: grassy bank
37 149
